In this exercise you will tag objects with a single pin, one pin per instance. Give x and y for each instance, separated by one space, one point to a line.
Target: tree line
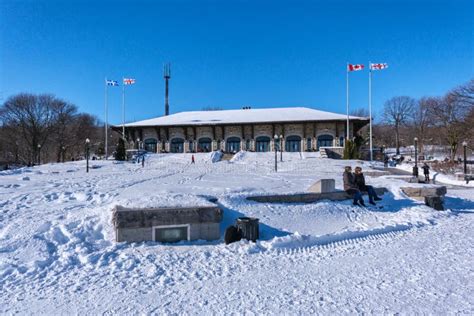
45 128
444 121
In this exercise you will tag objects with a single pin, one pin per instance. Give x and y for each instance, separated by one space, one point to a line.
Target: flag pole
123 110
347 100
370 112
106 121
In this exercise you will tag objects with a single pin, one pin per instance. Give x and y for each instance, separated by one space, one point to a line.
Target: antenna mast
167 76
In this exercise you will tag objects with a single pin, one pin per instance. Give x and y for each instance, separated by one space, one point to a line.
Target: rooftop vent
246 108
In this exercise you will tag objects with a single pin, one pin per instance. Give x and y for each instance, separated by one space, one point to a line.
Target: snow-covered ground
57 254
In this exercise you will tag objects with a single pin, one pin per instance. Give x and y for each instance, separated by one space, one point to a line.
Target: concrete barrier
323 186
169 224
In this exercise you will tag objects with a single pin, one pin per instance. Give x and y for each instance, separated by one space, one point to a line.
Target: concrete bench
433 196
419 192
337 195
170 224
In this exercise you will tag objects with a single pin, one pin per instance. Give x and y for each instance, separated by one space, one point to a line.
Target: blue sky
231 54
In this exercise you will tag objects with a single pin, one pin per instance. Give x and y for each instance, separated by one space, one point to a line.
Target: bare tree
465 93
33 123
449 116
31 117
397 112
64 116
422 119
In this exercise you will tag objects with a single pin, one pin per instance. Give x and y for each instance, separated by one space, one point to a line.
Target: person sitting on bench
360 183
350 186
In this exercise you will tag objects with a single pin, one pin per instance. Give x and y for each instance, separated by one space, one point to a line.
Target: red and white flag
128 81
351 67
378 66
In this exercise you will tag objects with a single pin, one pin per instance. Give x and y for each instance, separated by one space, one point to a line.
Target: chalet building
296 129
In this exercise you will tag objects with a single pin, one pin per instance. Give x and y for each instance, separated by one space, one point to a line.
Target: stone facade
308 136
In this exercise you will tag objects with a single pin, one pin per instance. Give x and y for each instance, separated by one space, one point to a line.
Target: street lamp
464 145
415 168
87 154
39 154
281 148
275 146
63 151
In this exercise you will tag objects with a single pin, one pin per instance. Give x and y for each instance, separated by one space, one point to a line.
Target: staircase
227 156
323 152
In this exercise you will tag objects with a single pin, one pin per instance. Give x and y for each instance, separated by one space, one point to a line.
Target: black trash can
248 227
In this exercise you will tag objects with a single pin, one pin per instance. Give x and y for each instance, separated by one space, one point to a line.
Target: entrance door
293 143
262 144
204 144
150 145
325 141
177 145
232 144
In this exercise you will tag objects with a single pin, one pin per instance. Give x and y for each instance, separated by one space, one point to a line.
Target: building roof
244 116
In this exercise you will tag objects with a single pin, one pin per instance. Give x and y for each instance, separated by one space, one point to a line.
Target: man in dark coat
426 172
350 186
360 183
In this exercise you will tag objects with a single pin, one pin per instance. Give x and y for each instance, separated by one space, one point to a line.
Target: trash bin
248 227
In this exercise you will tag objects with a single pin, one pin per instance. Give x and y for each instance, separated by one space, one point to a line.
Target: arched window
293 143
325 141
232 144
177 145
262 143
205 144
150 145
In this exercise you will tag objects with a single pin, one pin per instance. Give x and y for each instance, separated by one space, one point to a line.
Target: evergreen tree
100 149
351 150
120 151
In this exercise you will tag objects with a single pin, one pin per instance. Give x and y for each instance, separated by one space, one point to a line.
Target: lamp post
63 151
87 154
138 143
464 145
281 148
415 168
39 154
275 146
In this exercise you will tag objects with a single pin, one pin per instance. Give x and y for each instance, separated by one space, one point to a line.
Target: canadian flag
351 67
378 66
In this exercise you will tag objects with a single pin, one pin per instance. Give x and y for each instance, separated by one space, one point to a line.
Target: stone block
137 225
435 202
420 192
323 186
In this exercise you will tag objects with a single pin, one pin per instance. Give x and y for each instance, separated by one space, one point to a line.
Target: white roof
268 115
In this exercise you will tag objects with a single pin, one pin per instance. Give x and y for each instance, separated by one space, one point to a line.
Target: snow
268 115
58 255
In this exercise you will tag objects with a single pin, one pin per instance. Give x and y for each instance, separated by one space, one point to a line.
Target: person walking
192 159
351 188
360 182
426 172
385 161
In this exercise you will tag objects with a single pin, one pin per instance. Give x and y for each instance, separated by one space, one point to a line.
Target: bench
433 196
323 189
